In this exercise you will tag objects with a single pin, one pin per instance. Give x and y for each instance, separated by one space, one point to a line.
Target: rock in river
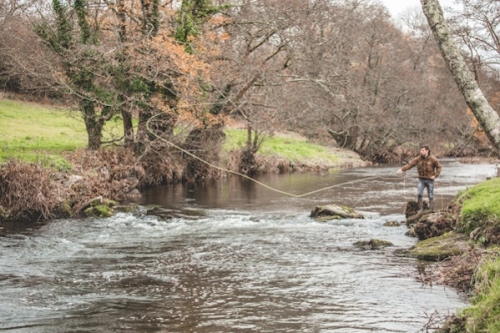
334 212
439 248
373 244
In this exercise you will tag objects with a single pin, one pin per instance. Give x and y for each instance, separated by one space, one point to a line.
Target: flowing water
254 262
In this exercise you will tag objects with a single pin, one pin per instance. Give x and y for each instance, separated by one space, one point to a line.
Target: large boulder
334 212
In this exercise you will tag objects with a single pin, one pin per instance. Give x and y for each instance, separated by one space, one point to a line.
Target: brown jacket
427 166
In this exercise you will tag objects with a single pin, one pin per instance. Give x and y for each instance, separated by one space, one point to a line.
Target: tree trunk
92 124
128 128
484 113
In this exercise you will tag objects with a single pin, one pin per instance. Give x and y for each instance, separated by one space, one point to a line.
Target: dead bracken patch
28 192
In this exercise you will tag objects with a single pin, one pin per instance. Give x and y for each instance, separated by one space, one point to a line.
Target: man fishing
429 169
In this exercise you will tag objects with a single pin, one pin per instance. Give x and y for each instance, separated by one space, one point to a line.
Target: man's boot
431 205
420 205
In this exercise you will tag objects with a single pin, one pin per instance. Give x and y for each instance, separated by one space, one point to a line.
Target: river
253 262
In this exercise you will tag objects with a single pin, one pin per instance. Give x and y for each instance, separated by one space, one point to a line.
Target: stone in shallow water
334 212
99 211
373 244
392 224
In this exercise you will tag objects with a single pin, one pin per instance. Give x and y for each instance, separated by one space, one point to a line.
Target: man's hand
433 177
400 171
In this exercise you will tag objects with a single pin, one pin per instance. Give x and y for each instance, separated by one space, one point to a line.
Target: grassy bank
480 206
484 313
35 133
480 211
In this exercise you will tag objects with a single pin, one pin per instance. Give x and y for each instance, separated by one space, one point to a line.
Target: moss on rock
439 248
99 211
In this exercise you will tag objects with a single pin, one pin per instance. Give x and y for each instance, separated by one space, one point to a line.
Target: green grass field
35 133
31 132
293 149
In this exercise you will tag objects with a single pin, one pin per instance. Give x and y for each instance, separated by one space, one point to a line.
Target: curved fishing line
247 177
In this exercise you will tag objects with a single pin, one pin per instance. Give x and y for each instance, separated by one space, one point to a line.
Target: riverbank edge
476 270
99 181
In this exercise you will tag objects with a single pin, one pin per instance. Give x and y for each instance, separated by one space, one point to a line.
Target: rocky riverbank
463 239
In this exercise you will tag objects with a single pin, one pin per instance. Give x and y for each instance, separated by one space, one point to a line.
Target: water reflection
386 194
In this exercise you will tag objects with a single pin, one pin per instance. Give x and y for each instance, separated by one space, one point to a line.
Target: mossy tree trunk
128 127
93 124
474 97
81 64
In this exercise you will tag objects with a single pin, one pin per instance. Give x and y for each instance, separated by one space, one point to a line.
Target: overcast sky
396 7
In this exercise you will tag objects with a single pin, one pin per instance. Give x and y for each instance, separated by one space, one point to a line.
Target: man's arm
409 165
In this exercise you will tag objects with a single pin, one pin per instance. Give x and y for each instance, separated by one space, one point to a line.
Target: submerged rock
166 213
373 244
439 248
334 212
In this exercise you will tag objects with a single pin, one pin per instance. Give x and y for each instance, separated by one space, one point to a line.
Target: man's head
425 151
